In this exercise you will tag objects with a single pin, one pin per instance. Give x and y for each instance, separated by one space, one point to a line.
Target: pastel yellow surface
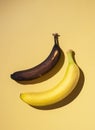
26 29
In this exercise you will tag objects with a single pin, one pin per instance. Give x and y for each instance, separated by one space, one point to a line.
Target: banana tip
12 76
70 51
21 96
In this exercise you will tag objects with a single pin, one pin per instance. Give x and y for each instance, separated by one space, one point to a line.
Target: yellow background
26 29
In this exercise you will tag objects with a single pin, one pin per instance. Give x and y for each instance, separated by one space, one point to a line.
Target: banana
42 68
58 92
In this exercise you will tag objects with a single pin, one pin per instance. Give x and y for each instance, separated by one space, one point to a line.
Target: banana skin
58 92
42 68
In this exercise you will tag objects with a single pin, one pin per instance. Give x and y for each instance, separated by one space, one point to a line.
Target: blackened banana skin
42 68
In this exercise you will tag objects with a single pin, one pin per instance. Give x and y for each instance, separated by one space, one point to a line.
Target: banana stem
70 56
56 35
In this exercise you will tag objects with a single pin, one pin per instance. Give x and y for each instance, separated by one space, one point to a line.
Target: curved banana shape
58 92
41 68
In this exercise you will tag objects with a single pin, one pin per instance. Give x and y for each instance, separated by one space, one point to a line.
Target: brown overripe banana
42 68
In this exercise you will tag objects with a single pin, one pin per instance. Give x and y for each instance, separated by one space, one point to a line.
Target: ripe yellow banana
58 92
